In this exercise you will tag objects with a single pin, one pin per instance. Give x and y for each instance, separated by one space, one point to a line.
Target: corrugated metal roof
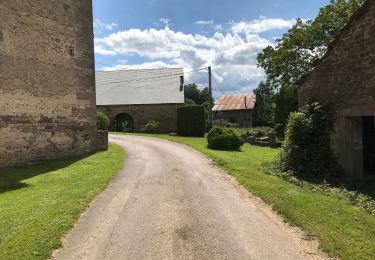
235 102
131 87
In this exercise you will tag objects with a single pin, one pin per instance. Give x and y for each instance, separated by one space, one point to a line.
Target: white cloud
103 51
202 22
262 24
232 55
98 24
146 65
165 21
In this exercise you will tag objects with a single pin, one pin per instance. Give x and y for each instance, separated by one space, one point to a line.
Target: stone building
131 98
345 81
47 80
236 109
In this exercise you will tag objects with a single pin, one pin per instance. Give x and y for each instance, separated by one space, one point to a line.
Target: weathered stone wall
245 118
166 114
47 80
345 79
101 140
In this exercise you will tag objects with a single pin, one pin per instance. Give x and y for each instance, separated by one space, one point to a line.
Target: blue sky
192 34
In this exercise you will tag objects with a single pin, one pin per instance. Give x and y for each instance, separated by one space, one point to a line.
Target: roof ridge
361 10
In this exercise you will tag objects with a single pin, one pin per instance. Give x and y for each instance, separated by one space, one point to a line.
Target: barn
131 98
344 80
236 109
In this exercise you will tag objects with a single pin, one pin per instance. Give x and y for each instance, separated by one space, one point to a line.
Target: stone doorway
123 123
368 137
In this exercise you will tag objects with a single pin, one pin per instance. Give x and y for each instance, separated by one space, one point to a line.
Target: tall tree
192 92
299 48
265 103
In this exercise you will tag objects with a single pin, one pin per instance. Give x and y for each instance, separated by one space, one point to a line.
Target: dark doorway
124 123
368 146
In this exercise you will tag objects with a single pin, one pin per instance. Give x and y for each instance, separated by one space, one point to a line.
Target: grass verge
39 203
343 230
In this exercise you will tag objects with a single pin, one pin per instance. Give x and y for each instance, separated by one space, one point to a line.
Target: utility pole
210 93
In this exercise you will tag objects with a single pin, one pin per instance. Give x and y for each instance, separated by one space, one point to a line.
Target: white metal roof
131 87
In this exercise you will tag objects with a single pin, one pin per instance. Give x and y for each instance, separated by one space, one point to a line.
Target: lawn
40 203
343 230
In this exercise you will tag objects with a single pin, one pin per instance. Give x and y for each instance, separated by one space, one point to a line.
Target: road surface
170 202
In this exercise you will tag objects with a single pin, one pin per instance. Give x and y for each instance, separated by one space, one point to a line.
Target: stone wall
101 140
47 81
166 114
245 118
345 80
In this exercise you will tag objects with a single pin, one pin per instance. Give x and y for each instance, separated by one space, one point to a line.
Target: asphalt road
170 202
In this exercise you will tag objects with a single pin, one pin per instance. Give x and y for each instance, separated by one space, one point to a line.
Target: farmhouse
47 80
131 98
345 81
236 109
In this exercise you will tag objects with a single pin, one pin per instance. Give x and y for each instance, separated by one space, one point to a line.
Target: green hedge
191 121
224 139
102 121
307 151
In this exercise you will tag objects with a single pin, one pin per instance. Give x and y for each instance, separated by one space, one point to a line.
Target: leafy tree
299 48
265 105
285 102
192 92
195 96
189 102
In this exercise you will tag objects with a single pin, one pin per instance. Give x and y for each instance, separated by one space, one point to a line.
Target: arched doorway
124 123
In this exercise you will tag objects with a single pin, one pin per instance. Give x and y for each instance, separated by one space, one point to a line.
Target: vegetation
151 127
39 203
307 151
191 121
102 121
196 96
224 139
343 229
294 55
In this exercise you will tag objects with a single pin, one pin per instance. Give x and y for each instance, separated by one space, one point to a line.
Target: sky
223 34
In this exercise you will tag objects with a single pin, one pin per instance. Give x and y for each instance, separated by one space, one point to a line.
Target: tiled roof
235 102
131 87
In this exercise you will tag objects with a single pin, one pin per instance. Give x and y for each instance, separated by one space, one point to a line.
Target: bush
191 121
102 121
151 127
307 151
224 139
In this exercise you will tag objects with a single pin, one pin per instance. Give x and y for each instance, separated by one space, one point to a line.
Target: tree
192 92
300 47
195 96
265 103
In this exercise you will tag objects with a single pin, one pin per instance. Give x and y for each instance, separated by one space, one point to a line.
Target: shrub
220 123
151 127
307 151
102 121
191 121
224 139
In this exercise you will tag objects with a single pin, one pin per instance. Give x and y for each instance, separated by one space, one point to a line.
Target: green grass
343 230
39 203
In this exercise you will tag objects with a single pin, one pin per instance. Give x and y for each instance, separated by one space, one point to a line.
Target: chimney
245 101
